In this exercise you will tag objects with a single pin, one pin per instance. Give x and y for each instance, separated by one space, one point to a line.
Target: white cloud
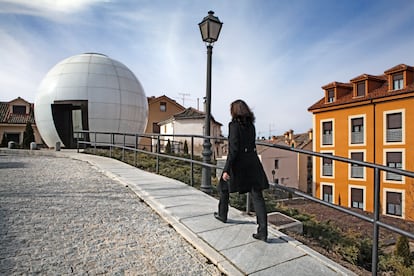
54 10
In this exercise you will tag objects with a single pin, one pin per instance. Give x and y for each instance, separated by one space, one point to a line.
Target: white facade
89 92
190 127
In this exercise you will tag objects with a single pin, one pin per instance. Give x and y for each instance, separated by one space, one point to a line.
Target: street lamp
210 29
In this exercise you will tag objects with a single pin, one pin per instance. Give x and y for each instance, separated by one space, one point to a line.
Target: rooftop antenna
183 96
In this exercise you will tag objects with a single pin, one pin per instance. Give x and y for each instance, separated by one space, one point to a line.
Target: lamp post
210 30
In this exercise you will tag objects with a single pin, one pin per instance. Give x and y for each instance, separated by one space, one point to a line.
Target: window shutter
327 189
356 195
327 126
394 198
357 156
394 157
357 122
361 88
394 120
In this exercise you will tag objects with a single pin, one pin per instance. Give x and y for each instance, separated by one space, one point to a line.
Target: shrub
28 136
402 249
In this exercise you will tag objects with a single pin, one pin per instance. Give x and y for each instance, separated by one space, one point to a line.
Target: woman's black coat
243 164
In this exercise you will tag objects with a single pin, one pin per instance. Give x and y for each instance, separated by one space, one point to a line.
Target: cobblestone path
60 216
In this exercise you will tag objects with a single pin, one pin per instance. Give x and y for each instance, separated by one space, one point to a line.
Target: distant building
367 119
159 109
191 121
285 167
14 116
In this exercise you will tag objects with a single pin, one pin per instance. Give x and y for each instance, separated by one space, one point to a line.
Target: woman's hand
226 176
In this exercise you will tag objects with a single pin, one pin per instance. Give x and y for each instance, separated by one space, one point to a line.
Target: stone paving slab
231 236
256 255
302 266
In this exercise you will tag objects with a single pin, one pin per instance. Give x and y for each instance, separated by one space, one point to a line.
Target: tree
168 147
28 136
185 147
4 140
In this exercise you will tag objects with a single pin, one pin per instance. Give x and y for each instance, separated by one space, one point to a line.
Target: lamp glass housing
210 28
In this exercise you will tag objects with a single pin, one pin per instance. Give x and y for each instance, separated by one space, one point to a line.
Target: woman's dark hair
240 111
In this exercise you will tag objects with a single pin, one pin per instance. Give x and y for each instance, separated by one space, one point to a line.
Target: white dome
89 92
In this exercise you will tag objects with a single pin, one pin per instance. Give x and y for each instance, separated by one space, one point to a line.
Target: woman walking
243 171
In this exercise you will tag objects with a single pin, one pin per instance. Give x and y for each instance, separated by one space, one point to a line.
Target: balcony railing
394 135
375 220
357 138
327 139
327 170
357 172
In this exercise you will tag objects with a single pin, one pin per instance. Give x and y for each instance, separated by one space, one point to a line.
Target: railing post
136 147
94 145
157 164
192 164
248 203
123 150
377 190
112 142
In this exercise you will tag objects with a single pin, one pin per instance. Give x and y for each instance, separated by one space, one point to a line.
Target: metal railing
375 220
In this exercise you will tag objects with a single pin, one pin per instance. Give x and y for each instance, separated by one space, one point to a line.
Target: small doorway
70 117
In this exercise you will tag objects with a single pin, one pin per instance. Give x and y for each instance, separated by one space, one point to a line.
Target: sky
274 54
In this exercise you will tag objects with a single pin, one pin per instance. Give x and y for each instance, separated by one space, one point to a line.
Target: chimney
310 134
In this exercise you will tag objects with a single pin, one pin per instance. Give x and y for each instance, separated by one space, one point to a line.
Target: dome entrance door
70 117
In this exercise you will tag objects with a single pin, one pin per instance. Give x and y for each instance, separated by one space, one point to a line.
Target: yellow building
367 119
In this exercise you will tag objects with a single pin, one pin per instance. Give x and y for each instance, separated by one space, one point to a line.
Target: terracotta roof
367 76
154 99
301 140
399 67
336 84
6 117
378 93
189 113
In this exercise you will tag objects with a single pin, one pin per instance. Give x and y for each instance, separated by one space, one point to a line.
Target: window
357 198
397 81
361 89
327 168
327 133
357 131
394 160
163 106
19 109
356 170
394 206
327 193
15 137
394 127
155 128
276 164
330 96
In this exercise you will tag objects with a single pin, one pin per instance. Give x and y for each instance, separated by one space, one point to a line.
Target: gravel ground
60 216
